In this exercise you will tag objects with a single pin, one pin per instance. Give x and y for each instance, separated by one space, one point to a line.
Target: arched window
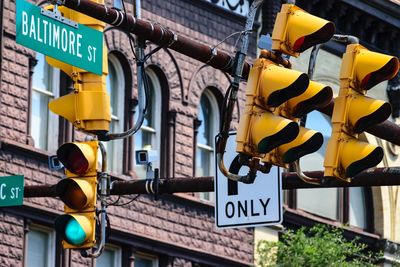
45 87
116 90
208 115
148 138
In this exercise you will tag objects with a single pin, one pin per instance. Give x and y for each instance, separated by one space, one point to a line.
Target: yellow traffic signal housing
275 98
295 30
79 193
353 112
307 141
268 86
88 106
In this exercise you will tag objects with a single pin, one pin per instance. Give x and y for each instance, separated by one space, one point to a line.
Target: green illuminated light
74 233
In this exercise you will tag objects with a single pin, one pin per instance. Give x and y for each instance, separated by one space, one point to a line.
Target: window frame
114 162
156 119
118 254
215 109
51 257
342 205
52 123
147 256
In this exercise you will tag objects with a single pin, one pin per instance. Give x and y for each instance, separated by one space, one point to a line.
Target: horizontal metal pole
290 180
370 177
158 34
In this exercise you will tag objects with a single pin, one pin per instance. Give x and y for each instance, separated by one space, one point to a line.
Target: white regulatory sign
246 205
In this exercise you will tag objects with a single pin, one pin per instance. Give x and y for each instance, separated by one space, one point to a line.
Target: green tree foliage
314 247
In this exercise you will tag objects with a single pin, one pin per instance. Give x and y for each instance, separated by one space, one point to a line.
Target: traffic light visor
78 158
365 112
305 30
269 131
367 156
307 142
316 96
371 68
76 193
279 84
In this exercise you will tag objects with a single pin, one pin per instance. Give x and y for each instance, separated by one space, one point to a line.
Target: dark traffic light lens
73 159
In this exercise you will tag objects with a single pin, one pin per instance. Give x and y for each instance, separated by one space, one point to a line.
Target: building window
148 138
358 207
116 89
40 248
110 257
347 205
145 260
45 87
308 199
208 115
118 4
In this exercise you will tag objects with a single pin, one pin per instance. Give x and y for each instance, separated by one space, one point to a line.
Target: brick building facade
176 230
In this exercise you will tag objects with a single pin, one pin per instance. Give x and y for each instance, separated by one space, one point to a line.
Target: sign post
246 205
50 34
11 190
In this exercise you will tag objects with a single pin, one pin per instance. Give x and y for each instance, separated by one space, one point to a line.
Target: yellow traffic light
353 112
307 141
268 86
275 98
88 106
79 193
296 30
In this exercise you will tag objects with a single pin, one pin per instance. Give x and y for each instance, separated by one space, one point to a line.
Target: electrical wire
126 17
229 36
130 37
129 202
116 204
224 107
152 52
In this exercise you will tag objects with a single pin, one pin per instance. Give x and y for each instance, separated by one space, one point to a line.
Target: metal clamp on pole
347 39
152 185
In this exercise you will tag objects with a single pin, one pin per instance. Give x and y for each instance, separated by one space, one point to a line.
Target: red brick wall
179 222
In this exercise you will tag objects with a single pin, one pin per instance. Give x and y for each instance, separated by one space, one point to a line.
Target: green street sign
11 190
67 41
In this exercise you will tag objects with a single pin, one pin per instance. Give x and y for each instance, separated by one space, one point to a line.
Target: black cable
224 107
126 203
130 37
126 18
108 229
115 203
152 52
146 90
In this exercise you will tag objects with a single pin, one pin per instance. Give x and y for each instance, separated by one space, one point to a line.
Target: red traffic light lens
73 158
321 36
385 73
